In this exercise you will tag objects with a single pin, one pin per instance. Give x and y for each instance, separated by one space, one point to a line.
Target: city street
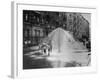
66 52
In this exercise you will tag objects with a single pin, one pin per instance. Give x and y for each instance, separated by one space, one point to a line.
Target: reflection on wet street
35 62
43 62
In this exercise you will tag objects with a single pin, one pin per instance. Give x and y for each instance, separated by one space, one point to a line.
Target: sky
87 16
